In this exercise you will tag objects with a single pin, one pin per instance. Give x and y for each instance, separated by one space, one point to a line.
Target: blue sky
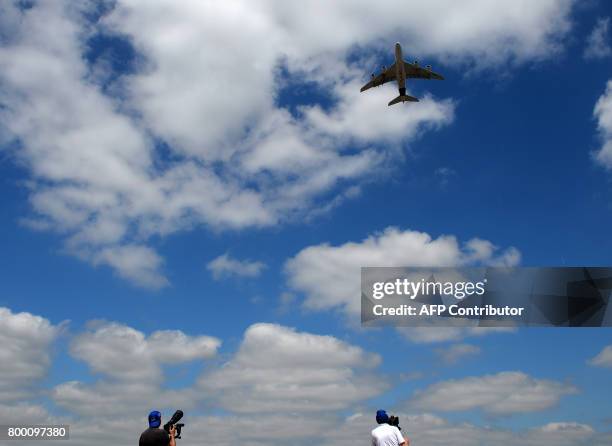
114 205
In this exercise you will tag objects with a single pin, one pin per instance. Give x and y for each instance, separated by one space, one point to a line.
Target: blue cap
154 419
381 416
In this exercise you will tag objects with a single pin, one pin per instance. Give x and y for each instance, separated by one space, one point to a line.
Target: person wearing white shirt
385 434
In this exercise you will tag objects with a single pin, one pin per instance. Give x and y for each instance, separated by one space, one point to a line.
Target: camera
174 421
394 421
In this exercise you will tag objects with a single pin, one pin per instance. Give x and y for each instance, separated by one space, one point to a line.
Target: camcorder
174 421
394 421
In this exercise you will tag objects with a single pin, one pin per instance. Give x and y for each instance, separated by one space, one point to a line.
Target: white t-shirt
386 435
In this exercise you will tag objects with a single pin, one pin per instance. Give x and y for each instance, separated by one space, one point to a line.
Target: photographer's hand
172 434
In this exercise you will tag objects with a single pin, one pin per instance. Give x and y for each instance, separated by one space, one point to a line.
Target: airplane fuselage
400 70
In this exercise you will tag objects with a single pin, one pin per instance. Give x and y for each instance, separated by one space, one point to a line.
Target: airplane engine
373 76
416 62
428 67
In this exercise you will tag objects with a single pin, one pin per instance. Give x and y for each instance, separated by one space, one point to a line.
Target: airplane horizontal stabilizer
403 98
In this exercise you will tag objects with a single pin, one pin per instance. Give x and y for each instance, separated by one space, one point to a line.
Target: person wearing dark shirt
154 436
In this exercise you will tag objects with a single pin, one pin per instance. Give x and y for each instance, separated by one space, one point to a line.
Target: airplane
400 71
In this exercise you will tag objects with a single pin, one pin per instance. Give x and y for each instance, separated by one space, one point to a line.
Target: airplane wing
417 72
386 76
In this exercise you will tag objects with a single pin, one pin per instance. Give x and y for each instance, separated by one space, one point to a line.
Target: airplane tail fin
403 98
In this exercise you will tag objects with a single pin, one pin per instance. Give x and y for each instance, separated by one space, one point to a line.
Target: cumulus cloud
25 358
502 393
280 369
275 369
598 42
121 352
193 135
130 367
226 266
456 352
430 335
603 358
137 263
23 412
603 114
328 275
117 399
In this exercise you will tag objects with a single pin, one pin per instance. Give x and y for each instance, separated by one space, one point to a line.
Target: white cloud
358 116
22 413
262 429
507 29
566 427
603 114
329 275
456 352
502 393
123 353
603 358
278 369
598 42
226 266
130 368
566 433
275 369
99 176
25 358
205 118
137 263
430 335
119 398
